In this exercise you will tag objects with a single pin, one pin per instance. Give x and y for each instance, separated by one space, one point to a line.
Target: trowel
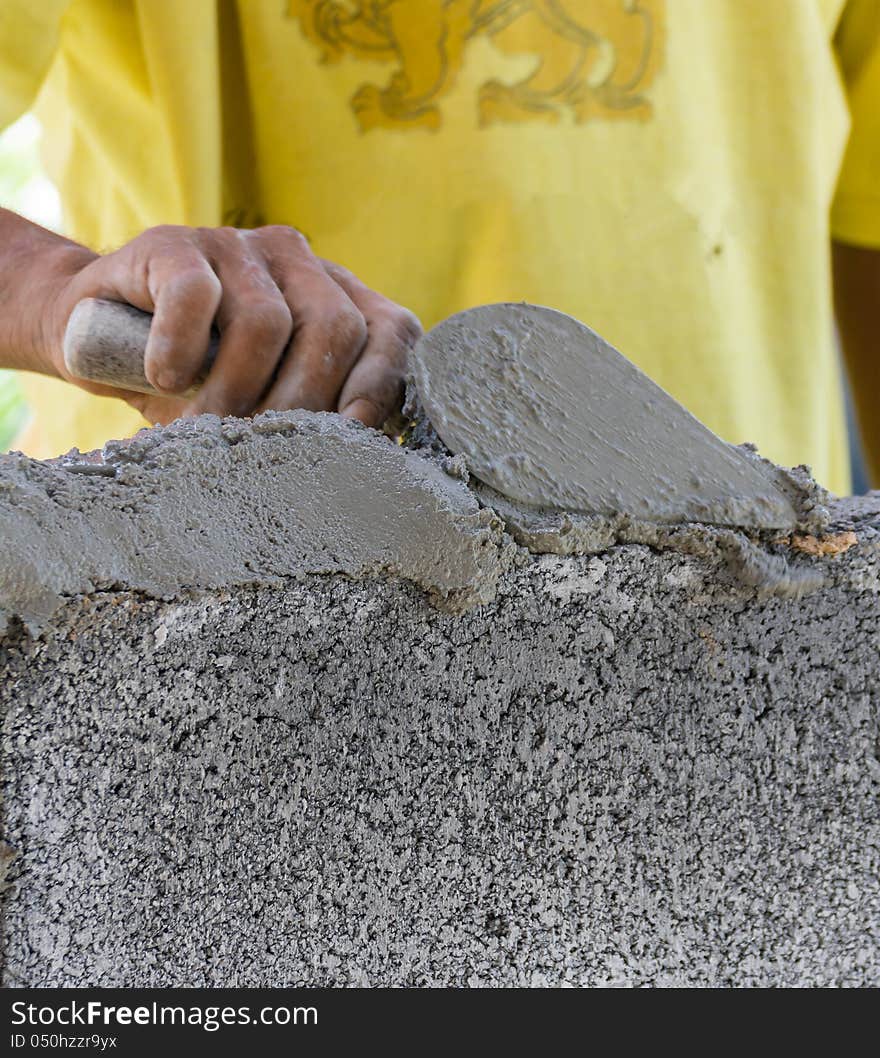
543 410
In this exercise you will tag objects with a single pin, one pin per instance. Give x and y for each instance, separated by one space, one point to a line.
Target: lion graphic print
594 59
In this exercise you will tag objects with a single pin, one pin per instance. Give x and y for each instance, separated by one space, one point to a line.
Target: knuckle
268 320
380 387
404 325
395 331
282 234
163 233
387 384
226 237
389 358
348 328
197 281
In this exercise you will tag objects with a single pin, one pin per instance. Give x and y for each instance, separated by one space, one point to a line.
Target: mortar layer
212 503
208 503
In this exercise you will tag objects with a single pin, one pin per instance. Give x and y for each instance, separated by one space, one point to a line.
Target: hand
295 331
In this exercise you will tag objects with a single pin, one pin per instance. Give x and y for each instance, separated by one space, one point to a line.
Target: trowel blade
549 414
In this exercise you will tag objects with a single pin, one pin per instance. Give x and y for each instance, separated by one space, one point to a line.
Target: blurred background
26 189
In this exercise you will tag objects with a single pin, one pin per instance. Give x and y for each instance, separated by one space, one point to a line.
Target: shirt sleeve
855 213
29 31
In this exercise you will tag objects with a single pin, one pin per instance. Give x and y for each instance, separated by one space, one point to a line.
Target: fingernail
169 380
364 411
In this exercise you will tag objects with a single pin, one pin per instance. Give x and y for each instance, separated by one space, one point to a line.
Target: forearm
34 266
857 305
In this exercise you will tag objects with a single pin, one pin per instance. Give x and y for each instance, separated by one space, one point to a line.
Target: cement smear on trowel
212 503
548 413
764 559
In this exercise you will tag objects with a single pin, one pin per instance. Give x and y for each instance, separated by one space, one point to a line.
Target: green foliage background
13 411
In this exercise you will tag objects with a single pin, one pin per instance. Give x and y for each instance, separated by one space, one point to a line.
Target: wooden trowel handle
105 342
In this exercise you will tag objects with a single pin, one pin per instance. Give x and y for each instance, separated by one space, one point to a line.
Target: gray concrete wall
625 768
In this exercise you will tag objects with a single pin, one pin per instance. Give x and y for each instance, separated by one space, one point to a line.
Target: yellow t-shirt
662 169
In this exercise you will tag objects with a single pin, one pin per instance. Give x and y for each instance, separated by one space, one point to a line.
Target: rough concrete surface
625 768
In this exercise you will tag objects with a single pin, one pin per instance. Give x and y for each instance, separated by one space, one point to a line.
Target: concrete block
625 768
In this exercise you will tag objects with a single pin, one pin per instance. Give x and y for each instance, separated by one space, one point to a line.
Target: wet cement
549 414
212 503
208 504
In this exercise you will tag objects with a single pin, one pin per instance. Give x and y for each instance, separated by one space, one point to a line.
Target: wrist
36 270
57 291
